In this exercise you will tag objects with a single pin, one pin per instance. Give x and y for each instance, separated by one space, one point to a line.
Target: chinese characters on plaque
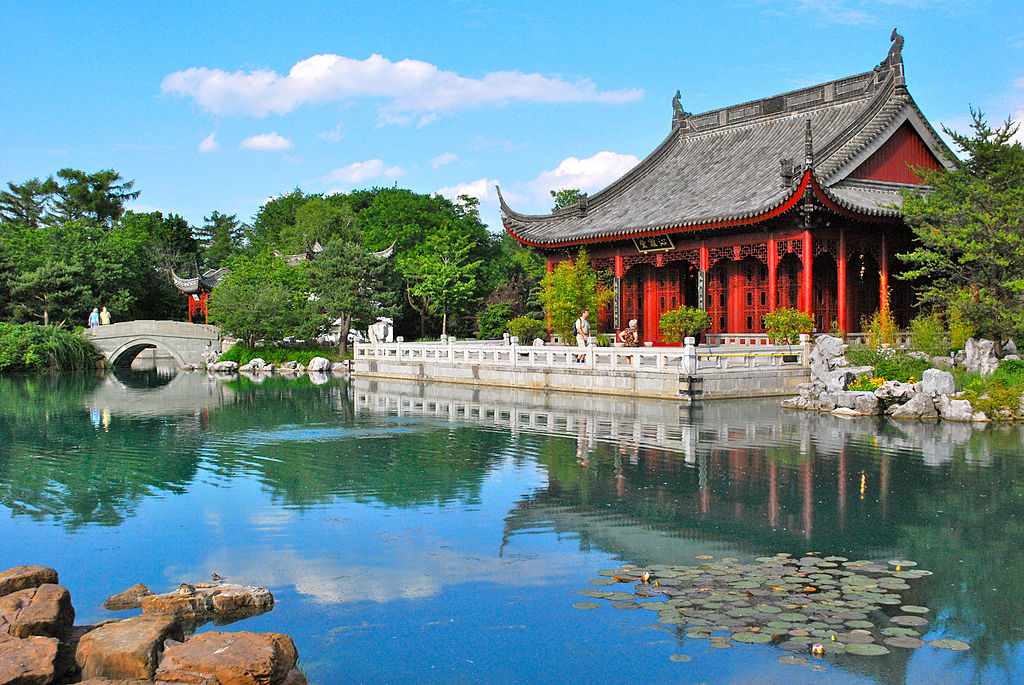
653 243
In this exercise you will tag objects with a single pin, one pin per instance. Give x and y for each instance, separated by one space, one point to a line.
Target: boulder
917 354
893 390
319 364
811 390
837 380
830 346
942 362
48 614
21 577
257 362
1009 347
827 401
246 368
955 410
980 356
126 649
29 661
818 363
208 598
1011 357
937 382
289 366
129 599
339 366
241 658
862 401
223 367
920 406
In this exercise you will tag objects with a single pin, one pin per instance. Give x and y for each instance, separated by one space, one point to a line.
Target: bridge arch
126 353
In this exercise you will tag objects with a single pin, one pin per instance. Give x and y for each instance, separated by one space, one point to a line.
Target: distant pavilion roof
743 164
200 284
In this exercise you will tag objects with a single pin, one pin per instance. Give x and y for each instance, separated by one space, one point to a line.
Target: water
440 533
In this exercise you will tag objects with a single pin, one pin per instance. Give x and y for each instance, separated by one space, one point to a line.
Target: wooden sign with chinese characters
702 289
653 243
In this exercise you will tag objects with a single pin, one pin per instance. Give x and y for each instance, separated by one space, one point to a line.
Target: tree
26 203
221 237
7 275
261 299
99 196
53 291
567 197
970 229
442 278
679 324
273 217
569 289
347 281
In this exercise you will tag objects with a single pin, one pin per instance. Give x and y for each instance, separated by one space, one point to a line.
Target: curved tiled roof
724 167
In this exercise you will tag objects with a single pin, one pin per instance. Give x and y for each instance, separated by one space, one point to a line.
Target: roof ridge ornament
894 62
680 117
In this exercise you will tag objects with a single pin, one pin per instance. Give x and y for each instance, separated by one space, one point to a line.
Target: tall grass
31 347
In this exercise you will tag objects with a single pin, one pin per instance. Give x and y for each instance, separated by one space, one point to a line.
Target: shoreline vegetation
30 347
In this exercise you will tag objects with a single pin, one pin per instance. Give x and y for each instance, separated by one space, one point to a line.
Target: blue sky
220 106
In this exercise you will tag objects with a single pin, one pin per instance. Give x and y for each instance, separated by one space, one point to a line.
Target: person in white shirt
582 331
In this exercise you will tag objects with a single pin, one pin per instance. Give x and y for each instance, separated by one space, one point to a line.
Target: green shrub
526 329
880 328
31 347
866 381
960 329
677 324
492 321
889 364
278 354
785 325
928 335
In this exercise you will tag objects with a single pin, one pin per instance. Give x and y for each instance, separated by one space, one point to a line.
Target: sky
222 106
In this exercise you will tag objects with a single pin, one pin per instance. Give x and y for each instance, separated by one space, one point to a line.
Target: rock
791 403
257 362
246 368
942 362
893 390
863 402
48 614
818 363
1011 357
289 366
29 661
223 367
207 598
838 379
829 346
319 364
980 356
920 406
129 599
827 401
338 366
1009 347
241 658
845 411
126 649
916 354
955 410
811 390
21 577
937 382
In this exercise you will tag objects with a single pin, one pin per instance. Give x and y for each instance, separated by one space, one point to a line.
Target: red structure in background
789 201
197 290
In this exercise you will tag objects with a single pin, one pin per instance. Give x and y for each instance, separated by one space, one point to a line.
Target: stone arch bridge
187 342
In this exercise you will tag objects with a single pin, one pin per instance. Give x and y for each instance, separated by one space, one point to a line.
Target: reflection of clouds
272 519
410 568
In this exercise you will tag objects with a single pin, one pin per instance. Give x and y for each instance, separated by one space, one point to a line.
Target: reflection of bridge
185 393
121 342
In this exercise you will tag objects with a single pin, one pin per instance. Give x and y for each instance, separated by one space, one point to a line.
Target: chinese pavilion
788 201
197 289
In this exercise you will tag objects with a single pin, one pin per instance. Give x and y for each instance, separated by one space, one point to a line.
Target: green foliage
880 328
970 232
569 289
997 394
492 321
30 347
52 292
566 197
221 238
349 286
443 278
928 335
261 299
889 364
866 381
280 353
786 324
960 328
677 324
527 329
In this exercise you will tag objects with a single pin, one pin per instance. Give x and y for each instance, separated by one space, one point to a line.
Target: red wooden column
705 260
806 288
551 268
841 281
620 271
651 312
773 273
883 278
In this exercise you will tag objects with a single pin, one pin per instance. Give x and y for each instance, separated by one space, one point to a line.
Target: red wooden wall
893 160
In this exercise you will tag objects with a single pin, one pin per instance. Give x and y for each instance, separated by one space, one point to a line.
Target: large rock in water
127 649
920 406
208 598
955 410
129 599
21 577
893 390
48 613
242 658
319 364
862 401
29 661
937 382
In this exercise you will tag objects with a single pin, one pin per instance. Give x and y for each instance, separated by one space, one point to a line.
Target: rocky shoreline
933 397
40 645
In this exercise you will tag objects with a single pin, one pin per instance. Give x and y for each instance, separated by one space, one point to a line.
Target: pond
443 533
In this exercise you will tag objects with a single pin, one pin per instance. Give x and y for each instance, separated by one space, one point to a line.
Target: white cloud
333 136
482 189
589 175
443 159
209 143
360 172
267 141
413 88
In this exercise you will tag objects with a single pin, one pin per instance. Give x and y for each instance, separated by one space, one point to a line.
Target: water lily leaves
791 660
719 644
697 634
905 563
603 581
617 596
610 572
950 643
625 605
913 609
704 556
679 658
597 594
752 638
586 605
833 647
904 641
866 649
909 620
853 638
792 617
867 625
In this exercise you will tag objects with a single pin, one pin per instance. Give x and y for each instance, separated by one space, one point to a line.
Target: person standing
582 328
94 318
630 336
104 317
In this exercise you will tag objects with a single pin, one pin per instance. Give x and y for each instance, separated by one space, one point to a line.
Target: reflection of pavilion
185 393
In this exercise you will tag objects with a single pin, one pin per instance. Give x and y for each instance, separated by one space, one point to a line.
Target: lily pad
791 660
950 643
905 563
860 624
597 594
904 641
913 609
894 631
603 581
866 649
680 658
909 621
586 605
753 638
618 596
625 605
